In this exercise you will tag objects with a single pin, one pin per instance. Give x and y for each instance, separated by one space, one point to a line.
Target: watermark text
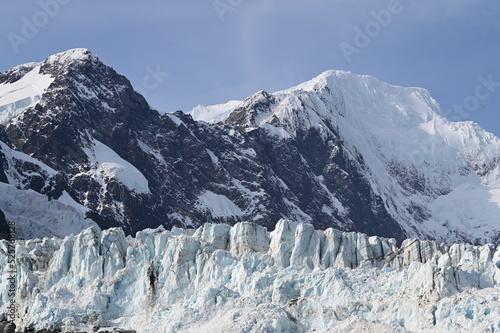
223 6
484 90
152 80
372 29
30 26
11 271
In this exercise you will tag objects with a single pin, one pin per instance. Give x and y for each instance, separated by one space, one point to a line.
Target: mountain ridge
388 122
341 150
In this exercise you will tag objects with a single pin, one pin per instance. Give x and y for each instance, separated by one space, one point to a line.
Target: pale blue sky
444 46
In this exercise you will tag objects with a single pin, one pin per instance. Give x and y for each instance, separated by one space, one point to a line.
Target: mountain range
81 148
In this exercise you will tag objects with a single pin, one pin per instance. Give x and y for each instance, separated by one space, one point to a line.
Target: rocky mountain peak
64 60
251 110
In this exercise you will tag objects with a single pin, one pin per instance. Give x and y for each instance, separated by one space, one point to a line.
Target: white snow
151 151
66 199
219 205
215 159
225 279
214 113
70 55
470 209
27 91
108 164
12 154
35 216
276 131
175 119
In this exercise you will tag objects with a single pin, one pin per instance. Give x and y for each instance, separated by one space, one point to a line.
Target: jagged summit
323 80
333 77
346 91
77 71
60 60
71 55
60 63
24 86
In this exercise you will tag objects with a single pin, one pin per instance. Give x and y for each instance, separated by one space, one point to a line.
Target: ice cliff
245 279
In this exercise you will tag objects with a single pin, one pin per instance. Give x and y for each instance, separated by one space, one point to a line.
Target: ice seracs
244 278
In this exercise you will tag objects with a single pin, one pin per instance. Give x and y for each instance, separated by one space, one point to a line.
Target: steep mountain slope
127 164
437 179
245 279
342 151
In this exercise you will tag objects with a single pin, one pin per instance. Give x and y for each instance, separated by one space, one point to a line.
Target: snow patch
66 199
215 159
25 92
175 119
106 163
219 205
214 113
70 56
11 153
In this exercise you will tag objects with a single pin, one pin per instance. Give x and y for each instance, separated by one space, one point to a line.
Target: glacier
243 278
438 180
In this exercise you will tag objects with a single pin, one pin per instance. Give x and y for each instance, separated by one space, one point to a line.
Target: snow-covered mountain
224 279
438 179
341 150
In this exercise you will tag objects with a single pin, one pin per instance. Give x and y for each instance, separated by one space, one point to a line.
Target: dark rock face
313 169
3 166
265 178
4 227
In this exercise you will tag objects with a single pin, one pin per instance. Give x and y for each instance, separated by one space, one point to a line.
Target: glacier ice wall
245 279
